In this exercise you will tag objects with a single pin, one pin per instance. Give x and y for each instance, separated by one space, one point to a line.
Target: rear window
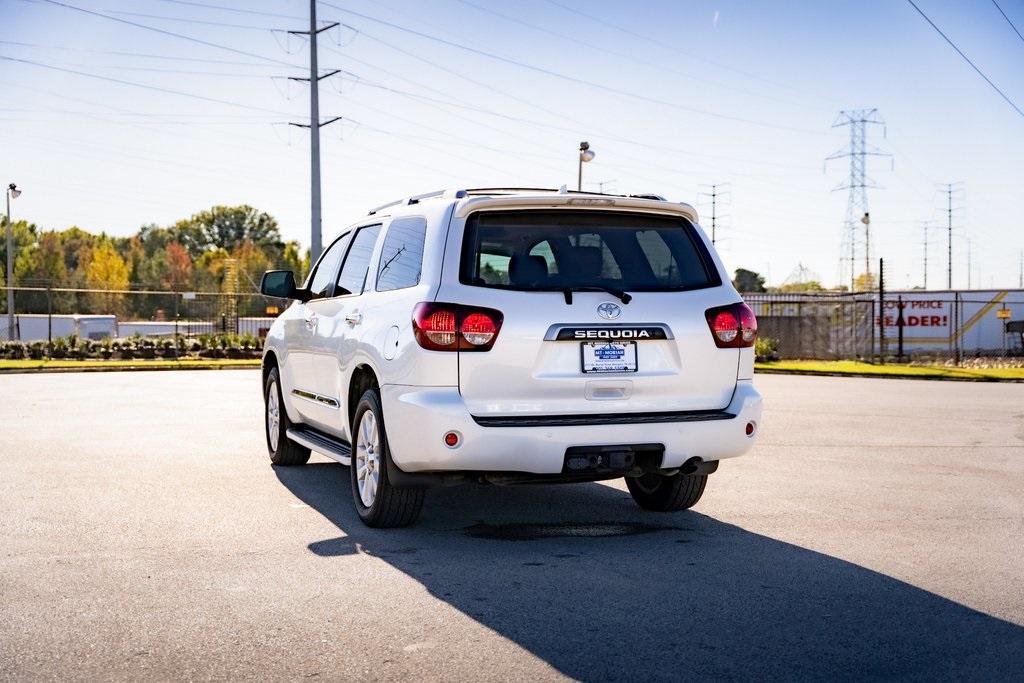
538 250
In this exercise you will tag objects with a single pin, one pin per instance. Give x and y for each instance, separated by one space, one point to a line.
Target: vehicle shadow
581 578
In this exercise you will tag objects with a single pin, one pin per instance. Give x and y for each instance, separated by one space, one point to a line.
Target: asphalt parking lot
876 532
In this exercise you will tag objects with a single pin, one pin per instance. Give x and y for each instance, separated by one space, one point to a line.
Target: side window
493 268
659 256
352 278
322 279
401 257
543 249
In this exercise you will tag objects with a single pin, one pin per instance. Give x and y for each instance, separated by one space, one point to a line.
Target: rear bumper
418 417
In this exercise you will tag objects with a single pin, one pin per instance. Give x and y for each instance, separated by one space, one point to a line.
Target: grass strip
861 369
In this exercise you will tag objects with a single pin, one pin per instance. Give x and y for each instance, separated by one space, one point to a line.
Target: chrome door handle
354 318
311 321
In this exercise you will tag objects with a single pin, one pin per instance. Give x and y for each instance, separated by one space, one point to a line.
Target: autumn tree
107 271
809 287
179 267
865 282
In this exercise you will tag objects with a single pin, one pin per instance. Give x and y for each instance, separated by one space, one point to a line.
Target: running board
335 449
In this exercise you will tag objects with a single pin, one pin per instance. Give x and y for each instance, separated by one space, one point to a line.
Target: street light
586 154
12 193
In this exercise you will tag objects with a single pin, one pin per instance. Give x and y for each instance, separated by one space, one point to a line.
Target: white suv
513 336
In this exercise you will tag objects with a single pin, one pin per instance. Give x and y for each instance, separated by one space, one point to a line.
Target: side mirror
281 284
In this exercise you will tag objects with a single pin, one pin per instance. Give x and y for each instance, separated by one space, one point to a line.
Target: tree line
191 255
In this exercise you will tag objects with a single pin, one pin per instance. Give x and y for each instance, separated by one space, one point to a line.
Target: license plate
608 356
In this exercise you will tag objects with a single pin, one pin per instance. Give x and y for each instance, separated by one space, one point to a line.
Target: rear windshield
538 250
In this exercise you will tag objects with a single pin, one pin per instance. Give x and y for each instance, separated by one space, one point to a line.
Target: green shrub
36 350
766 348
15 350
60 348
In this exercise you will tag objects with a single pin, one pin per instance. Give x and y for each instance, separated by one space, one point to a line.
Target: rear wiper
624 297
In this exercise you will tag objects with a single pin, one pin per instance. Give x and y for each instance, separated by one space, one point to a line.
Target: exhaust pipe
697 466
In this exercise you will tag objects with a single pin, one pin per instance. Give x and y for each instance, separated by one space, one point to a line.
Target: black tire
285 451
663 493
389 506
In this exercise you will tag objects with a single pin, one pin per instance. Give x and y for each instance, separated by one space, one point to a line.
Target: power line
661 66
204 5
165 32
120 53
555 127
191 72
966 58
454 102
568 77
176 136
145 86
186 20
1007 19
675 48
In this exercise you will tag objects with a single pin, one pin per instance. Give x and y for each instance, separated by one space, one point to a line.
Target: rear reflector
733 326
455 327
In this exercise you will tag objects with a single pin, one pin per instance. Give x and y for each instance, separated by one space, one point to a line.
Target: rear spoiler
547 201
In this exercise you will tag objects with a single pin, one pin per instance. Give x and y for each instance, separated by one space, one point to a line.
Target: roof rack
511 190
460 193
416 199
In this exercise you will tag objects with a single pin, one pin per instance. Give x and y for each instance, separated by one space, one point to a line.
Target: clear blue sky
741 93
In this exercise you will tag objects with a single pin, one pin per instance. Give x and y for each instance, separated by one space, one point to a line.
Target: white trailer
40 327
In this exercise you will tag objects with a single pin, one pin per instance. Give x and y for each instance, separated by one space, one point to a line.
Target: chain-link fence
815 327
914 325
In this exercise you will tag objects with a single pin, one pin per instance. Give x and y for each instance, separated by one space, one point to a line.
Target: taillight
478 328
439 328
455 327
733 326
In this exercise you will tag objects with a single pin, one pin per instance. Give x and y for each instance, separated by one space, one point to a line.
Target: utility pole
858 183
314 125
12 191
968 263
950 190
716 194
949 234
926 226
881 310
714 207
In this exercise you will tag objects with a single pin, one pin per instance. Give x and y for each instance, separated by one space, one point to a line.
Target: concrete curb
130 368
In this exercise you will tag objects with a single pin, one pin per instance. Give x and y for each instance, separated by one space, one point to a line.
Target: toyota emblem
609 311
